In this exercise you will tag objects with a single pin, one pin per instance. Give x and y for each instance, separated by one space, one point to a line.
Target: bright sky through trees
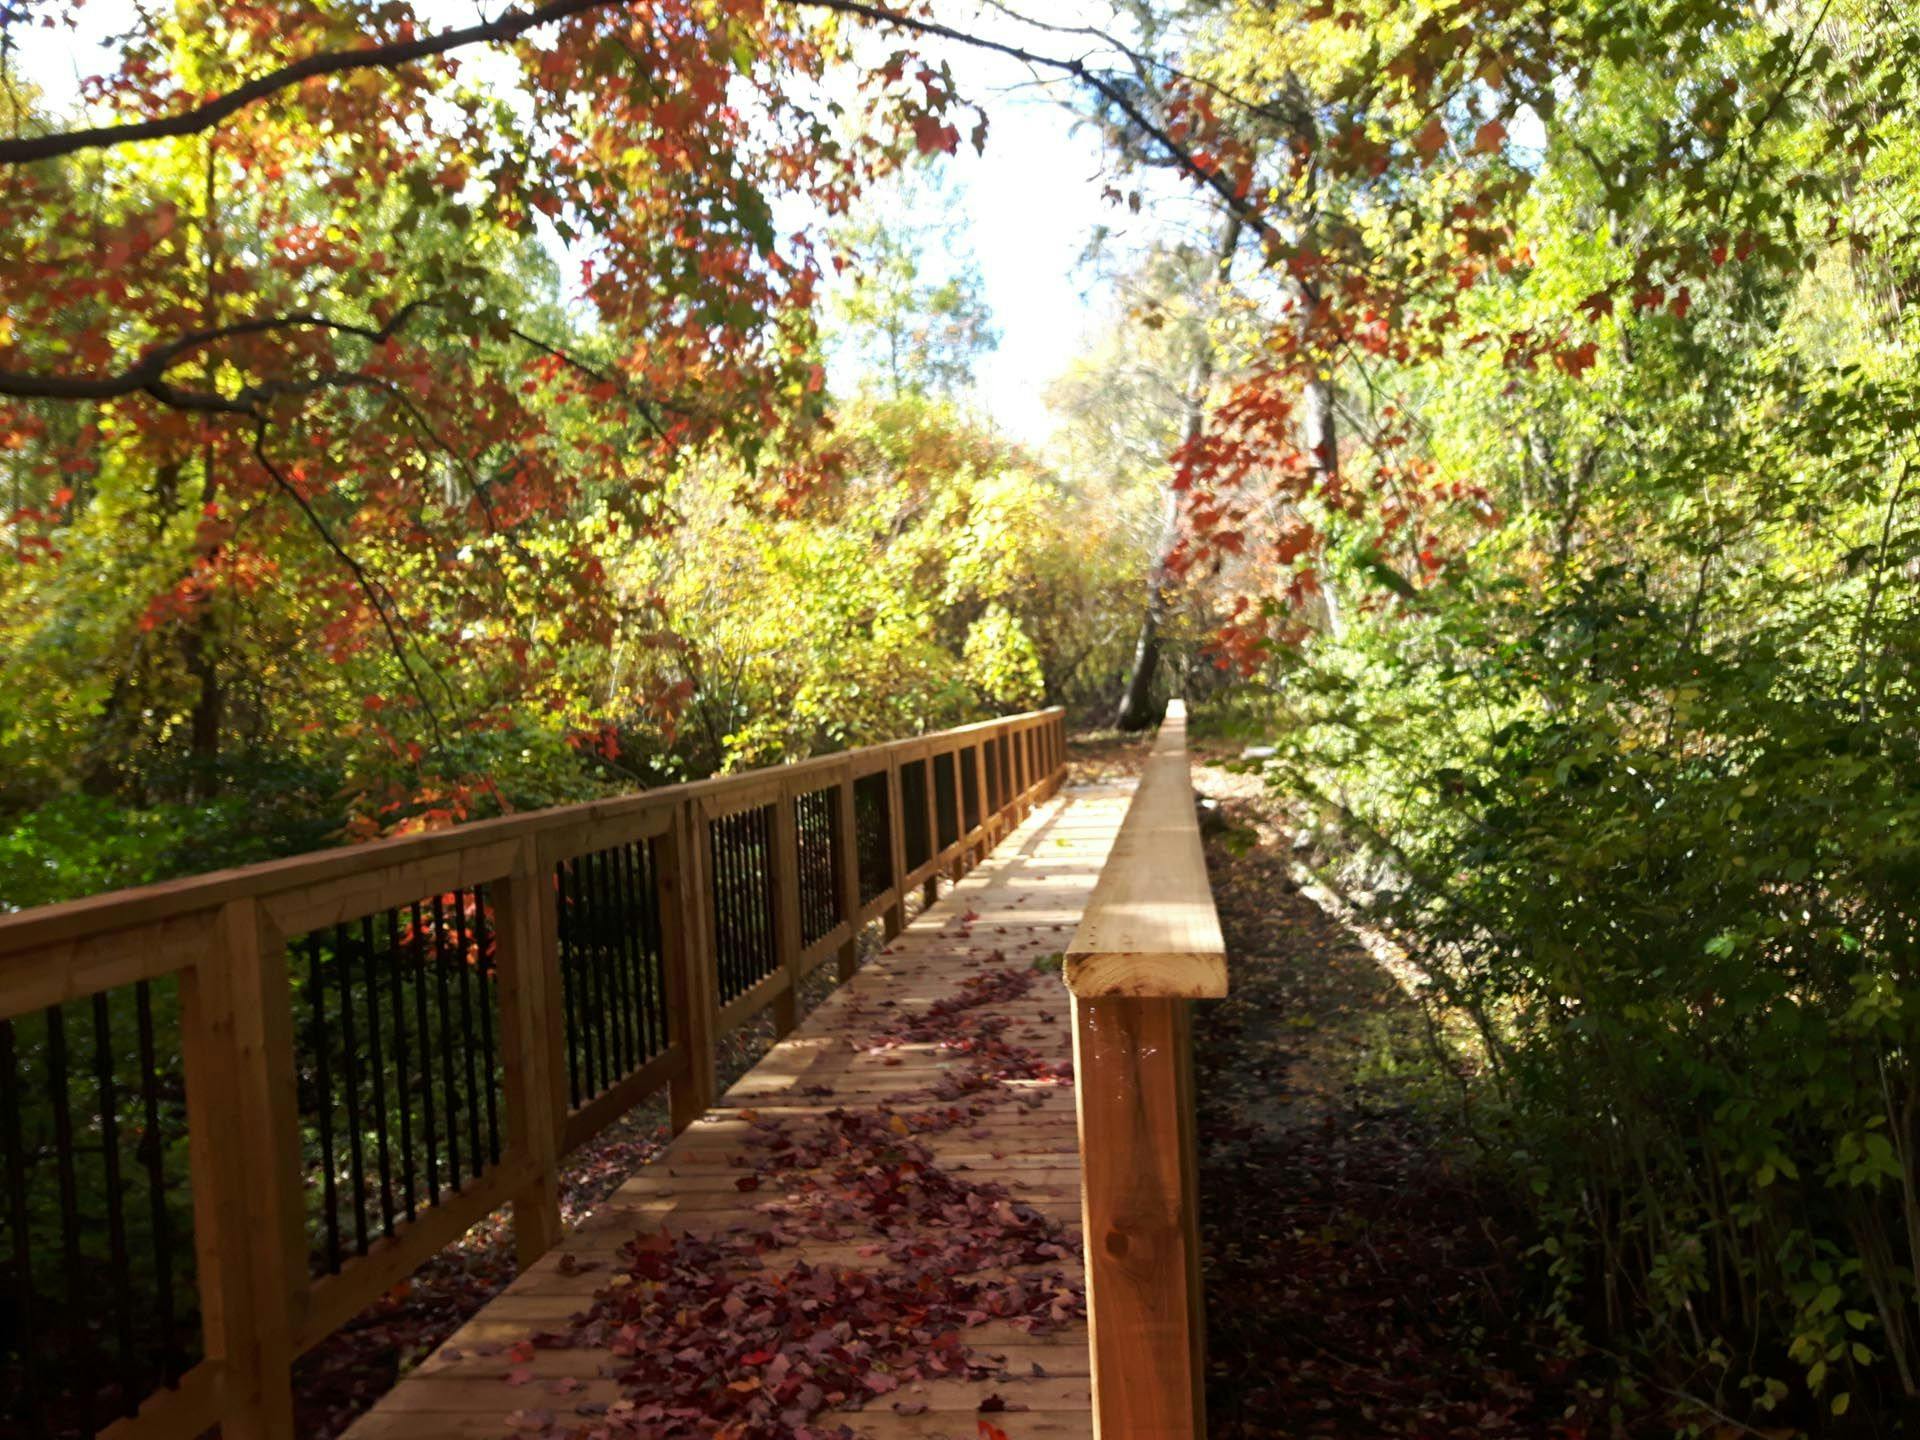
1029 205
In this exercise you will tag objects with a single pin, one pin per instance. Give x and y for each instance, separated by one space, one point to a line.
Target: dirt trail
1357 1283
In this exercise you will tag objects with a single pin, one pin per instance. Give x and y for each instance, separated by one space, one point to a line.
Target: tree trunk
1136 710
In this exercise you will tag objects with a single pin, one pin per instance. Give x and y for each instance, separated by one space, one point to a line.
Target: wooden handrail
1148 945
630 901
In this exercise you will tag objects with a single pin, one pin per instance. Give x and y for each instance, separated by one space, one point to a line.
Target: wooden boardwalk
893 1193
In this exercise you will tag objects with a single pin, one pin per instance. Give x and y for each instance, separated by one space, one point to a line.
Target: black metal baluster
749 903
426 1052
640 918
657 948
830 825
474 1164
632 883
607 936
401 1062
569 980
583 932
660 948
811 893
14 1149
484 961
763 827
356 1158
742 915
322 1043
153 1149
594 989
807 846
716 849
606 898
749 921
742 919
812 899
79 1296
116 1206
736 903
450 1093
633 948
647 864
623 955
377 1061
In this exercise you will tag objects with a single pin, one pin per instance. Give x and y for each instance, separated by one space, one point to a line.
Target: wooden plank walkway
885 1210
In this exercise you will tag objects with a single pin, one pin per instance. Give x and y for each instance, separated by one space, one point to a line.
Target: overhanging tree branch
195 119
514 23
149 372
377 595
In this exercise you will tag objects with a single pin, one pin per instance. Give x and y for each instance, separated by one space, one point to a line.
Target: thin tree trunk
1136 710
199 640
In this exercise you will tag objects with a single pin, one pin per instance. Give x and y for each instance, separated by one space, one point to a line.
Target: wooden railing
1148 946
236 1109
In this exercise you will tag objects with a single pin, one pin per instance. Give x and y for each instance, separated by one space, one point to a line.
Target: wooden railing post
688 963
243 1137
1022 768
930 888
527 966
985 845
848 860
1147 946
786 910
962 858
895 918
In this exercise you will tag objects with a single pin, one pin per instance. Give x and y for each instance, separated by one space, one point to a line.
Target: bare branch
514 23
1175 150
149 372
509 25
376 595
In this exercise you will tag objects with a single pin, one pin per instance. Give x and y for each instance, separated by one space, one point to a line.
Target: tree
294 360
909 307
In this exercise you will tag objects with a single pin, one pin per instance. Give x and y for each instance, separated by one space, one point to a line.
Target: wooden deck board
1020 905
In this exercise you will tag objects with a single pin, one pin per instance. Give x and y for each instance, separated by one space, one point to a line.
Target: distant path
877 1227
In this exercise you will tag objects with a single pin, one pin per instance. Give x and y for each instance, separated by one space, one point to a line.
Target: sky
1029 205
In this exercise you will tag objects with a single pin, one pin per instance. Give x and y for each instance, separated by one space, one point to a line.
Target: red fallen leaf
747 1182
566 1386
520 1352
534 1420
991 1432
518 1377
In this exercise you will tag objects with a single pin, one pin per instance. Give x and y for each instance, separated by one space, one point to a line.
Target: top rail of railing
1150 928
43 925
